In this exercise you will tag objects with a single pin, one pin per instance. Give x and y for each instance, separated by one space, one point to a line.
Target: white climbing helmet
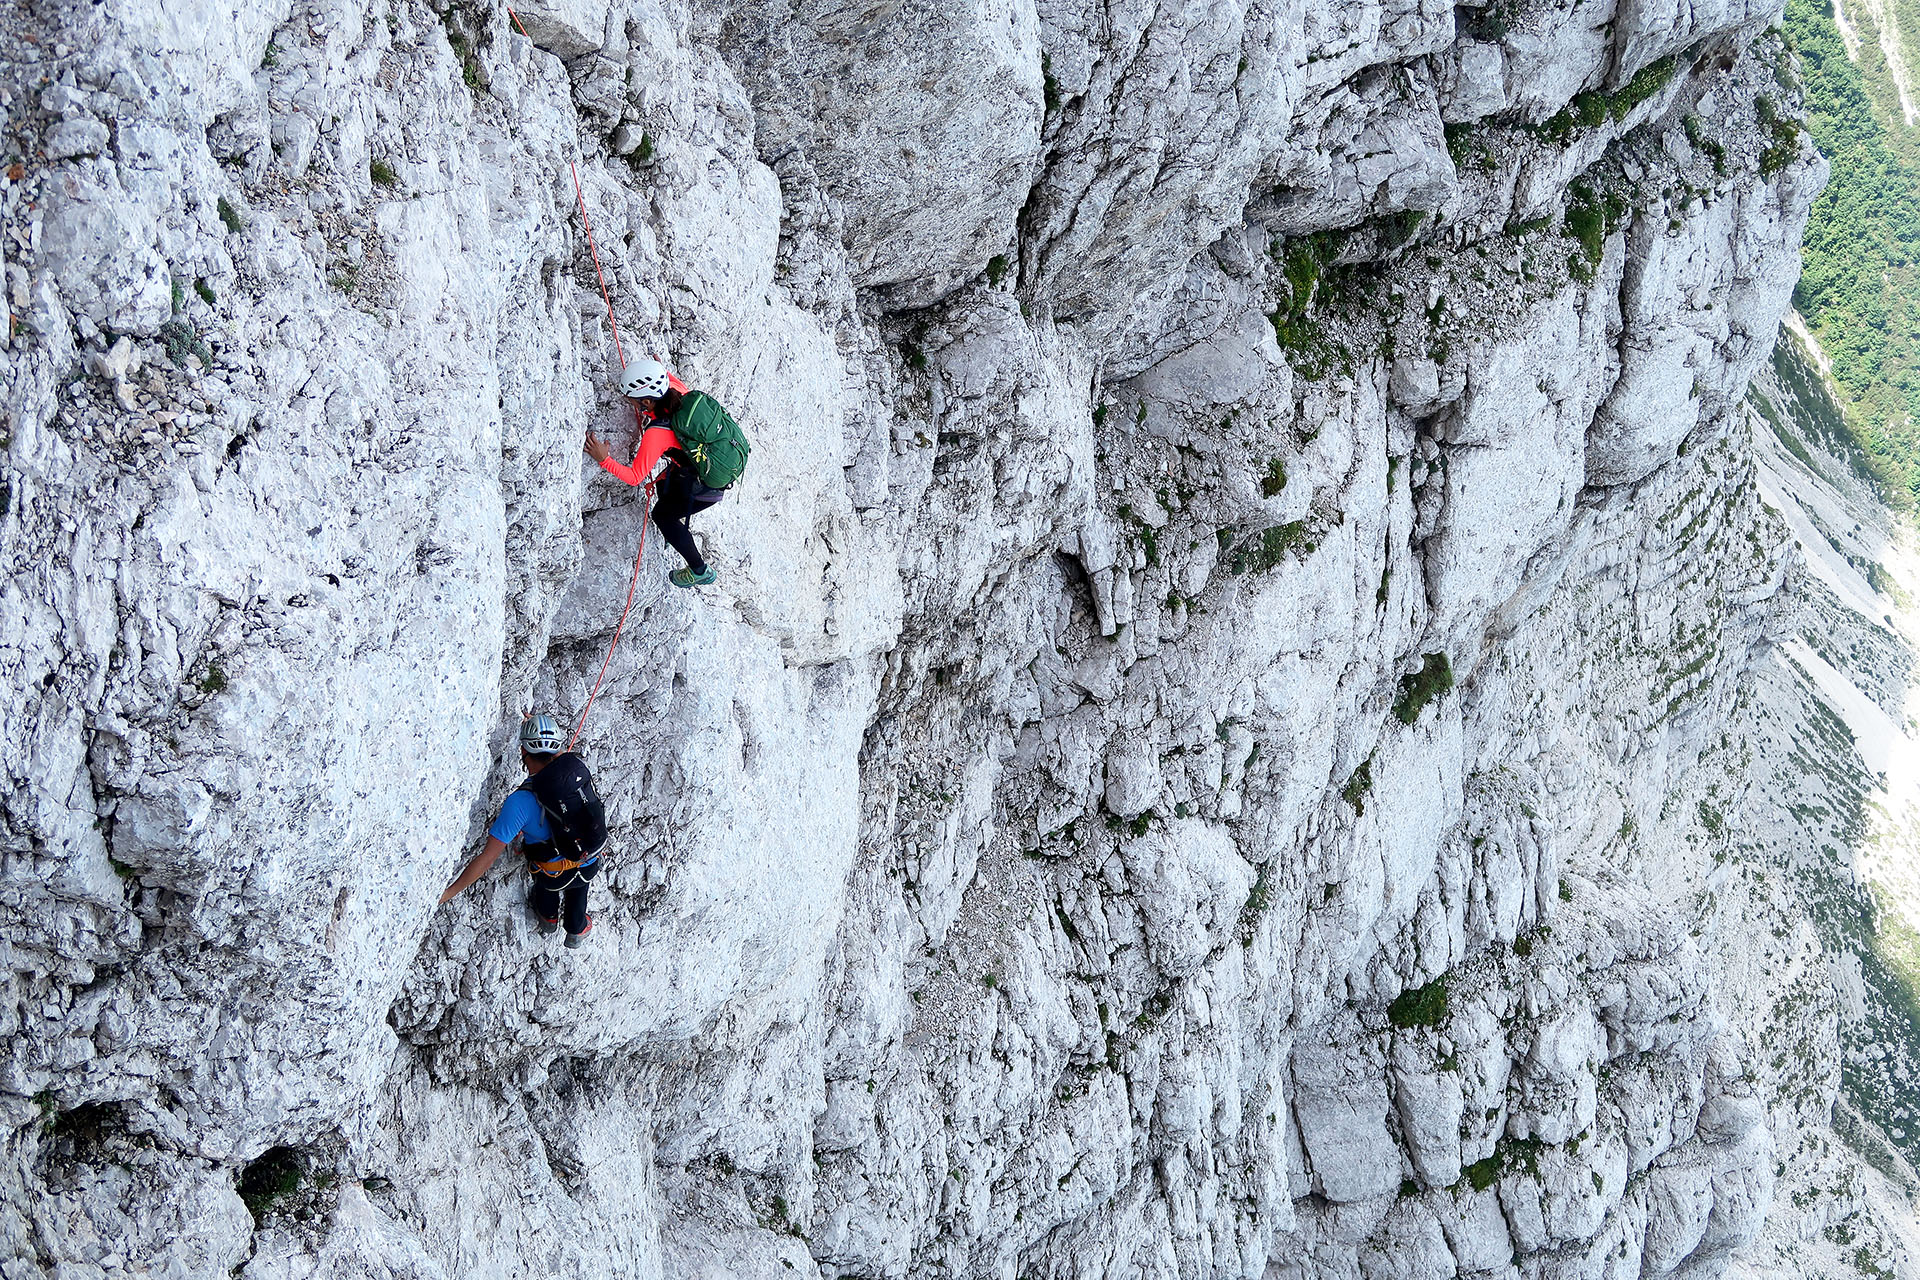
644 380
541 736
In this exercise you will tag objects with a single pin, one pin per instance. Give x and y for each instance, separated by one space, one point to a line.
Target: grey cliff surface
1194 765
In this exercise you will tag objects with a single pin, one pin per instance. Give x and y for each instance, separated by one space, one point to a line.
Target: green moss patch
1434 678
1420 1007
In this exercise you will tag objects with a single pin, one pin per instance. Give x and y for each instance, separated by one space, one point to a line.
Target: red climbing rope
582 198
625 610
580 195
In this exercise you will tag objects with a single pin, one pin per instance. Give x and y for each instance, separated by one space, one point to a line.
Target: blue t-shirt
520 816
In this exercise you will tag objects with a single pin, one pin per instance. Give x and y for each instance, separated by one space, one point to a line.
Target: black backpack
576 817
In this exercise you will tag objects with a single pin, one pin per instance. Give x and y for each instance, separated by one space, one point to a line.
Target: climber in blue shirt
520 816
524 817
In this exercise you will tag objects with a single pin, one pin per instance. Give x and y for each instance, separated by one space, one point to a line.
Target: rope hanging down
580 195
625 610
640 555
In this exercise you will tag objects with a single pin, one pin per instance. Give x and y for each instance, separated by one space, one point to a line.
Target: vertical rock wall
1185 771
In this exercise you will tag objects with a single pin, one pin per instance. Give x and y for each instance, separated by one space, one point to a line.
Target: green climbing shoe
688 578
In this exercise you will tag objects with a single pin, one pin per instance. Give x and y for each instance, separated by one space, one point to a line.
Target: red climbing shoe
573 939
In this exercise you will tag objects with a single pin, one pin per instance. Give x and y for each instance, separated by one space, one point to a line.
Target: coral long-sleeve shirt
654 442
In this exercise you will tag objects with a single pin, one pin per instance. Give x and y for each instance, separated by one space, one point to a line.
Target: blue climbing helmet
541 736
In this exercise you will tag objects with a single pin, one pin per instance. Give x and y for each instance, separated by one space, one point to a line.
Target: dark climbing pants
548 891
681 495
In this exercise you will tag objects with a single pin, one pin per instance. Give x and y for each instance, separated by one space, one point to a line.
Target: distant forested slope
1860 283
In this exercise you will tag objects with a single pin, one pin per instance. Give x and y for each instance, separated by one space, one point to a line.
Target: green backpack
711 438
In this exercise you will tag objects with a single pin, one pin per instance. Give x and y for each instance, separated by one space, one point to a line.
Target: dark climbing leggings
681 495
545 895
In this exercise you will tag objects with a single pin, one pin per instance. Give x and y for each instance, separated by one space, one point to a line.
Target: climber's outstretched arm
654 442
477 868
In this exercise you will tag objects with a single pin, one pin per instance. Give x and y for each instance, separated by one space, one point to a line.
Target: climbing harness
580 195
557 866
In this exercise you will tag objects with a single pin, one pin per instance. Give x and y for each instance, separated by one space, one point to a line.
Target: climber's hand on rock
596 448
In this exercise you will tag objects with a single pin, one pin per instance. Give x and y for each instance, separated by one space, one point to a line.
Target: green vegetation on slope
1853 918
1807 409
1860 276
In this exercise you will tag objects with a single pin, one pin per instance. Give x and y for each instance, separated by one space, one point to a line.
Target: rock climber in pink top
657 396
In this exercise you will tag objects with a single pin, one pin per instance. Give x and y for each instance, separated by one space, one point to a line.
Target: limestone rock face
920 125
1247 533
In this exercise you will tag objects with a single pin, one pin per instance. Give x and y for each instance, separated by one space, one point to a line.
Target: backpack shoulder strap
566 767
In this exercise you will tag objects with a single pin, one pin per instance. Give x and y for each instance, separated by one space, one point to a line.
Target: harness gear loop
558 866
